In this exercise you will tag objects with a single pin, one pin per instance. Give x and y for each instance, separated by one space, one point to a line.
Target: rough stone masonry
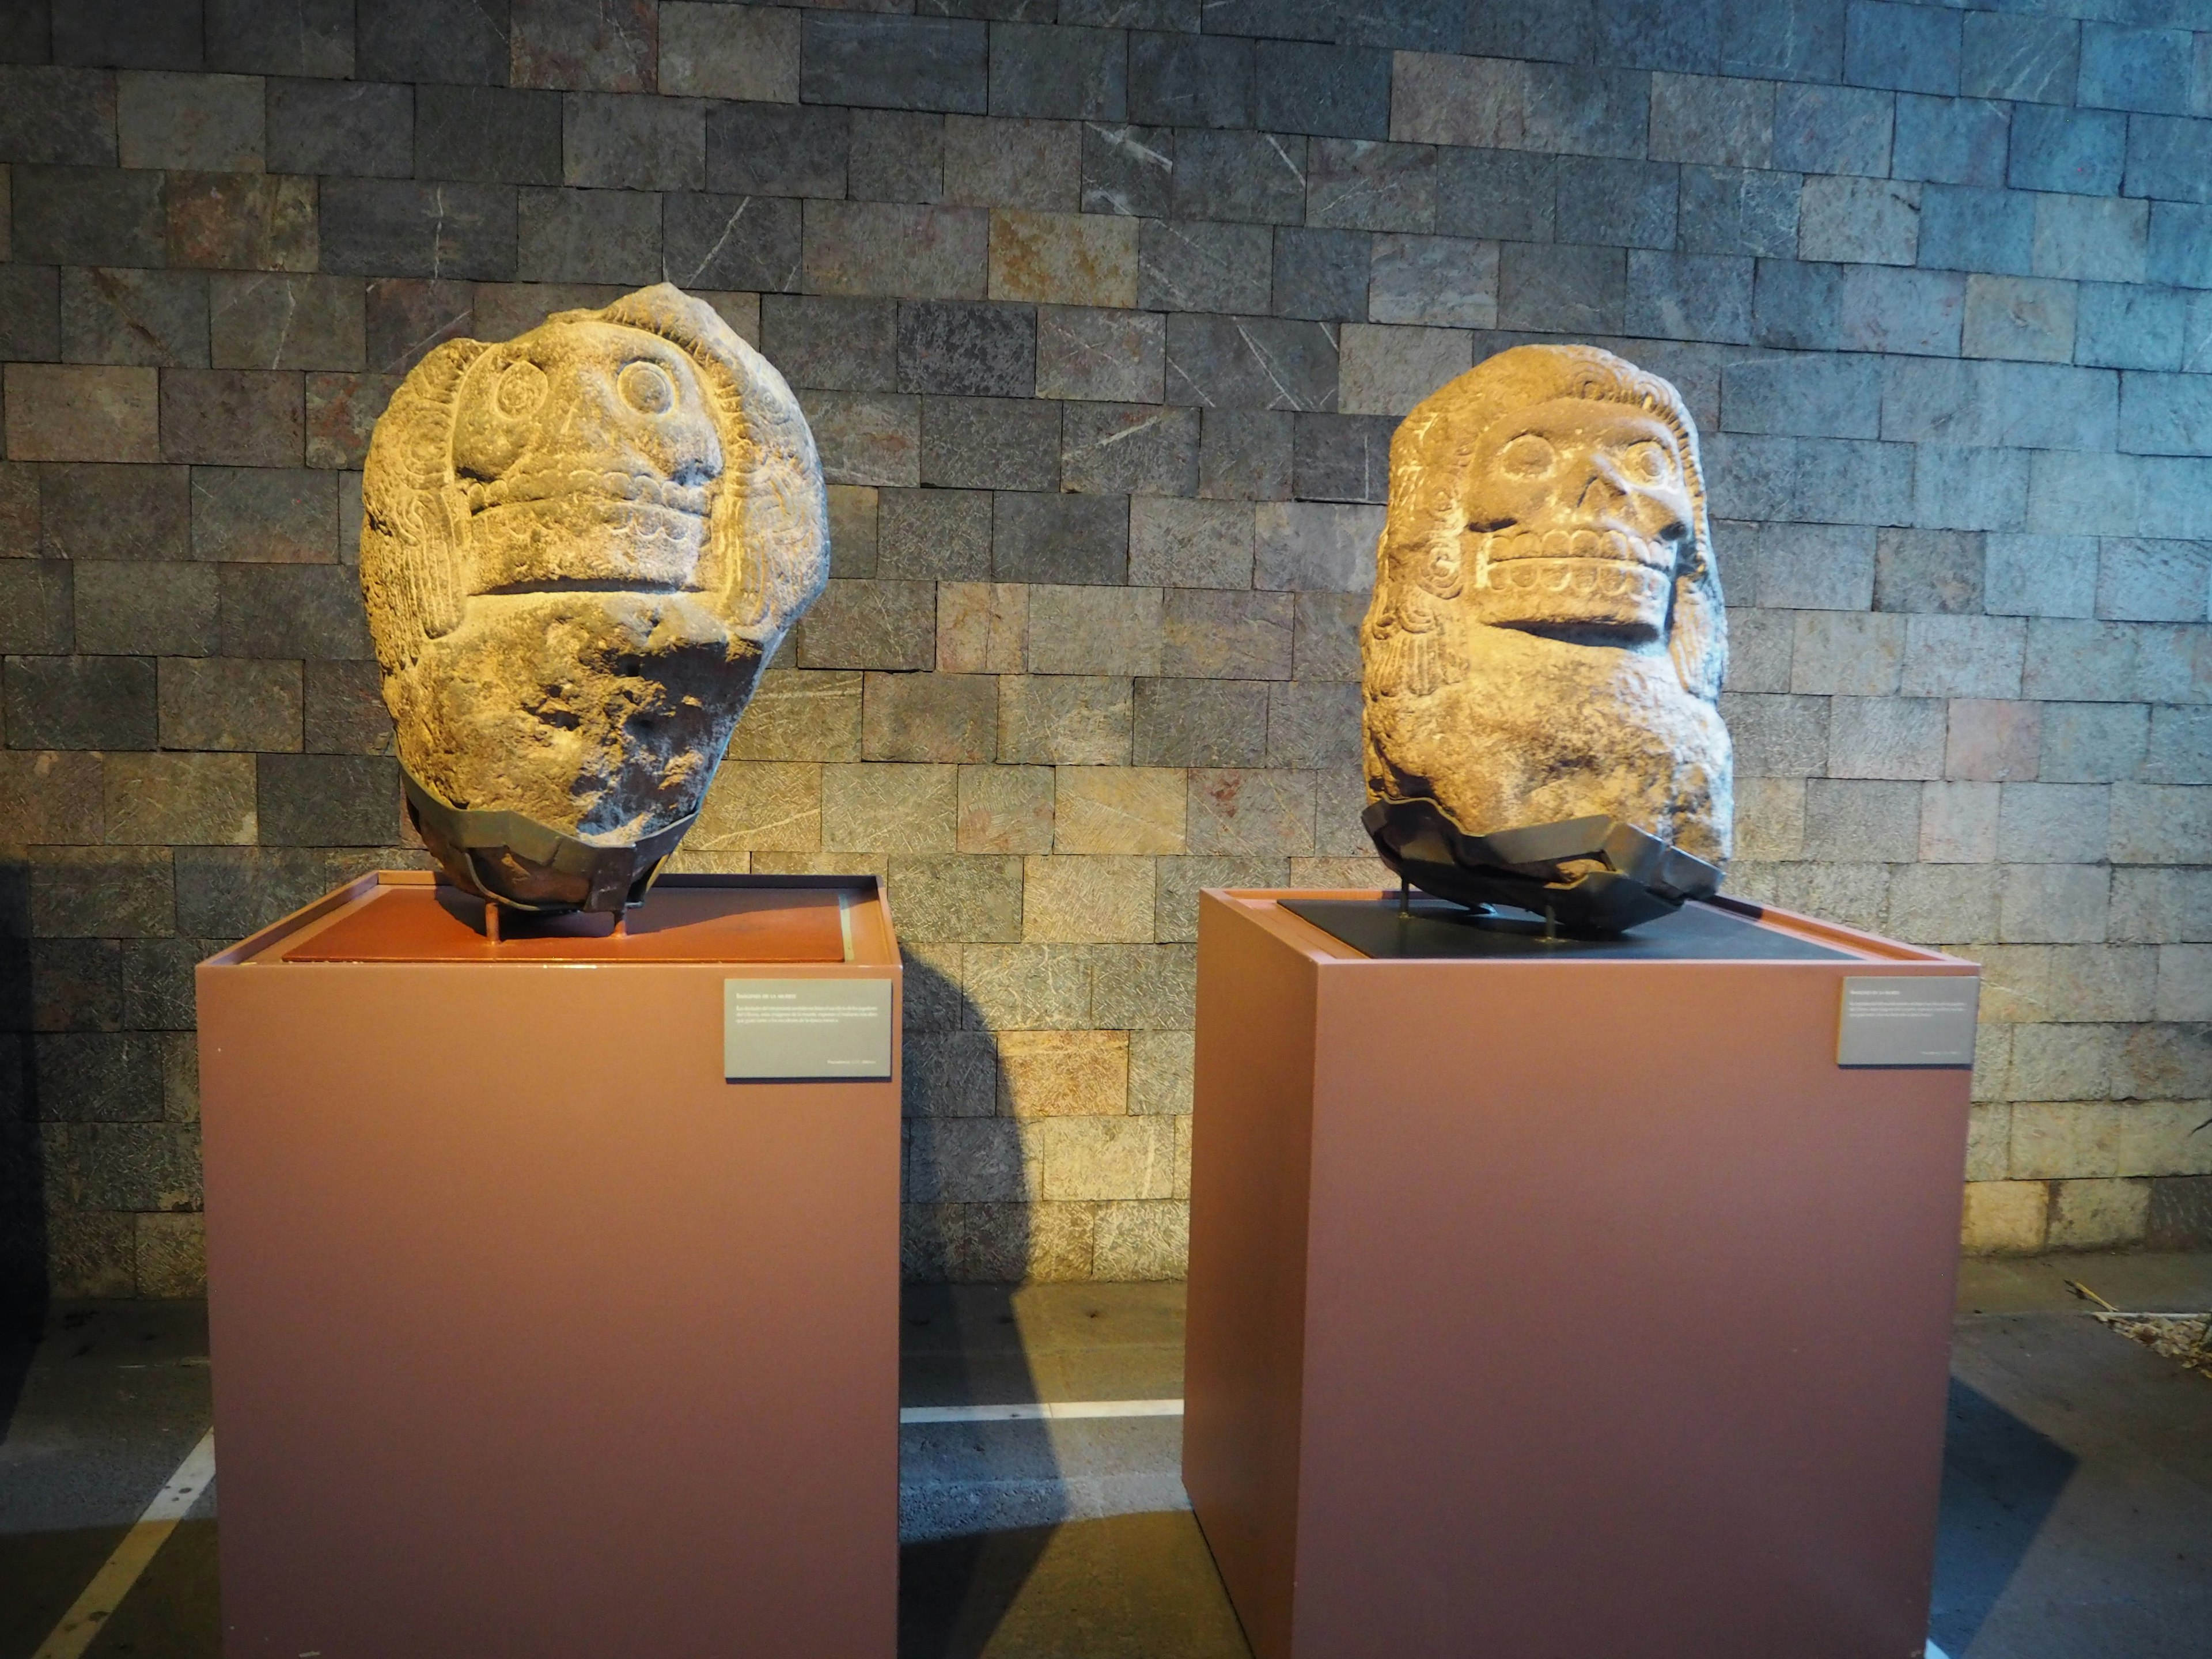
1102 312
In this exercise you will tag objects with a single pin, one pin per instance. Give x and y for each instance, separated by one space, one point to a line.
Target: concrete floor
2077 1504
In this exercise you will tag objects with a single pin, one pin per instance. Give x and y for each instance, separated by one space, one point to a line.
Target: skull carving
579 549
1546 639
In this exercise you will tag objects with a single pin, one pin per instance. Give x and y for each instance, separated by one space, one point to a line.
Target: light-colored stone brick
1989 1128
2022 318
1249 811
2085 1138
1993 741
1897 738
2184 982
1063 1074
1068 720
1160 1072
1386 370
1027 988
179 799
1064 258
1087 899
770 805
1138 1241
1104 1157
982 628
2097 1215
892 248
1850 654
1006 809
68 413
1962 656
880 808
2053 822
748 52
2054 904
1314 547
1093 630
1118 809
801 715
2161 824
2004 1218
1770 818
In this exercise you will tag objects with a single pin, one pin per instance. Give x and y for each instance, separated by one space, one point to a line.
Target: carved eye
1527 457
1648 463
647 388
522 388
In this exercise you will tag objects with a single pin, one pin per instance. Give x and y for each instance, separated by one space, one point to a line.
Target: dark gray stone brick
1244 455
2079 151
2029 59
25 37
1283 20
1550 31
593 236
280 37
990 443
279 515
1195 265
1833 129
1731 210
327 800
1190 80
1341 457
747 243
1129 449
1797 305
1128 170
403 317
1689 296
934 535
840 346
2149 69
487 135
865 438
1355 184
99 512
307 610
56 116
619 141
100 1077
146 610
89 216
1061 73
1951 141
603 46
272 320
432 40
1905 48
75 984
233 417
971 350
2180 250
1401 25
1562 290
2166 414
1314 724
158 993
143 35
898 155
1783 40
1683 35
241 221
2170 157
894 63
1963 228
1250 363
1937 571
395 227
1827 396
30 313
35 596
1259 177
1338 91
363 128
1200 722
781 150
1499 194
1615 203
79 702
157 318
1810 480
345 713
1079 540
1915 311
2121 325
1321 274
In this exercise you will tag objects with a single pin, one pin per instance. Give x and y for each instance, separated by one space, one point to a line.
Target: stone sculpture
579 549
1545 645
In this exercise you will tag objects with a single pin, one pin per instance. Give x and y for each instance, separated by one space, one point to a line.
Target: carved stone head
579 549
1546 639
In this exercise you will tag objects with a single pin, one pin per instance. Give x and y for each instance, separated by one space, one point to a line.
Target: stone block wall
1104 312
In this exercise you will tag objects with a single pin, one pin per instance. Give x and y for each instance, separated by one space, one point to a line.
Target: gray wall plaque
1902 1019
787 1029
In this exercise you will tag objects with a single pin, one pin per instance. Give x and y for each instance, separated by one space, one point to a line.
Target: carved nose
1600 495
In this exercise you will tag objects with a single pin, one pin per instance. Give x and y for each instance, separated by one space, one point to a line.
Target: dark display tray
1376 927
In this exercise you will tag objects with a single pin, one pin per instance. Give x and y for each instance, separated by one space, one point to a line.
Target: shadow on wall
977 1502
2000 1479
22 1183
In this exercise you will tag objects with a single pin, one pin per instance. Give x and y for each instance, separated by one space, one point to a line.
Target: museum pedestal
533 1335
1570 1301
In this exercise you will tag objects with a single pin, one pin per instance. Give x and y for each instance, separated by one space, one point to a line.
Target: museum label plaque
1907 1020
783 1029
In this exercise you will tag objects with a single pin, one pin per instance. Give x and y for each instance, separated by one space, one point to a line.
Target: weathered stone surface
581 547
1546 639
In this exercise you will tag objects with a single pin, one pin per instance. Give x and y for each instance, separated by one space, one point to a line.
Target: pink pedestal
1564 1307
532 1336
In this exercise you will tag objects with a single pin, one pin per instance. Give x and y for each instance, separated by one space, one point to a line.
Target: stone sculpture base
531 1334
1568 1304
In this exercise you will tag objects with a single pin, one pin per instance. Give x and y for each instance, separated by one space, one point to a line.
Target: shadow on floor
2001 1480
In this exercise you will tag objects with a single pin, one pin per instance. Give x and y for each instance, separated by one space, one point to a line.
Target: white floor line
1038 1411
114 1579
